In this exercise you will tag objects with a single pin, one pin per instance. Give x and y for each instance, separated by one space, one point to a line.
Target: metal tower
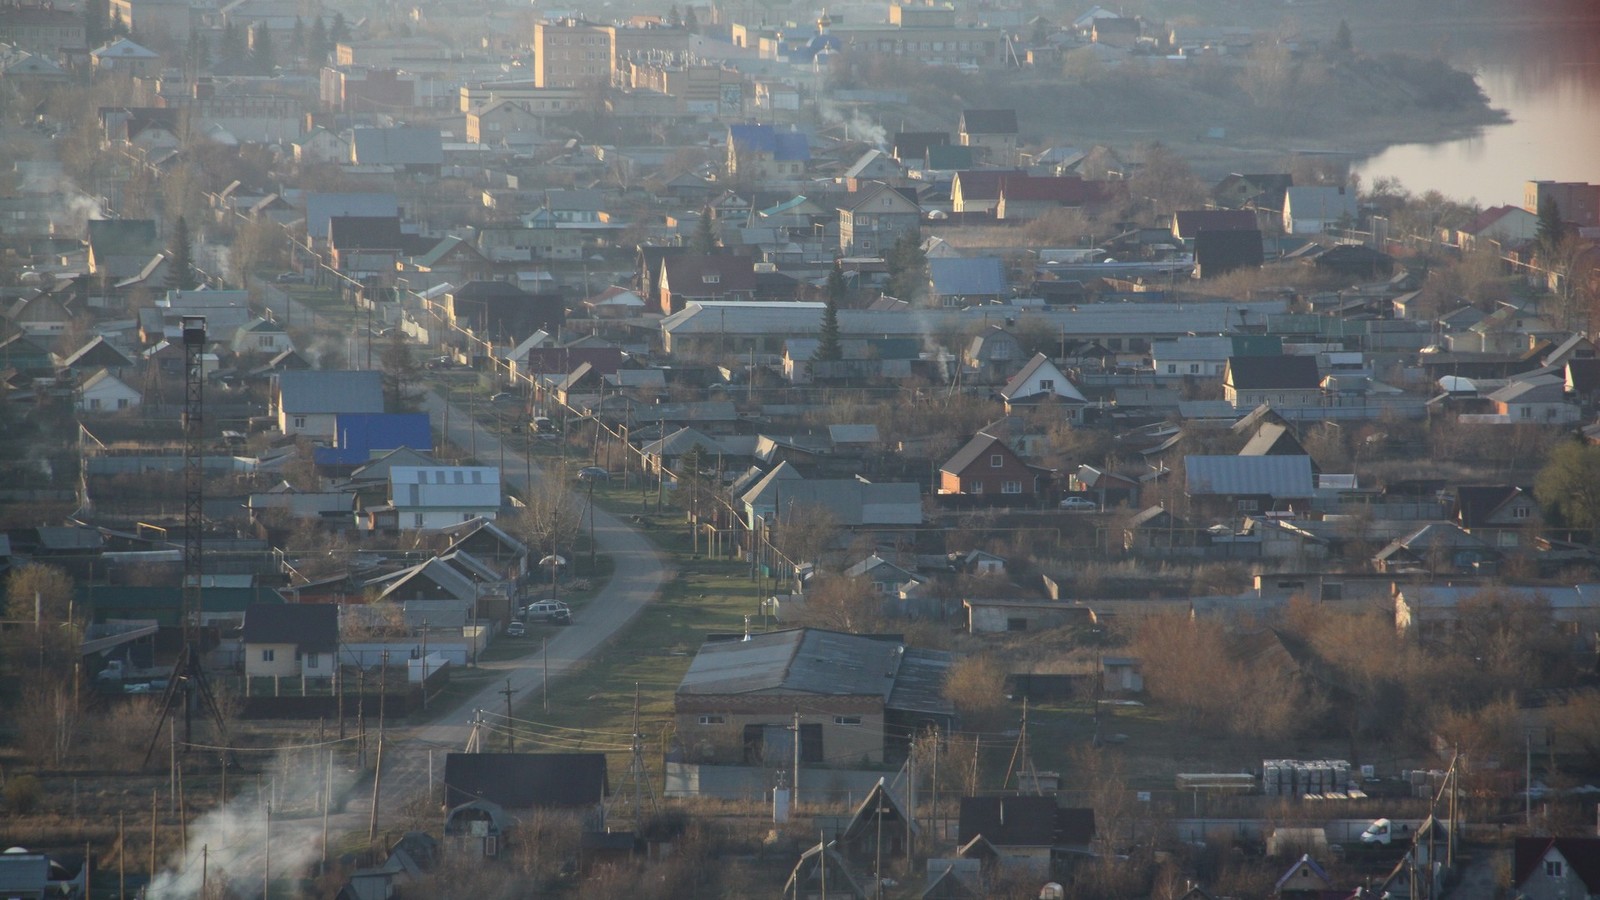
188 683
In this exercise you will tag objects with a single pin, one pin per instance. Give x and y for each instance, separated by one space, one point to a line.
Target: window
267 655
1011 487
1555 868
416 520
1172 368
299 422
1047 384
1527 412
94 402
311 660
710 720
1016 624
996 461
1194 368
711 279
1521 512
847 720
974 487
264 340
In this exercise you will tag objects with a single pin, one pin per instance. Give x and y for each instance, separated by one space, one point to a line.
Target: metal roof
317 391
1284 477
958 276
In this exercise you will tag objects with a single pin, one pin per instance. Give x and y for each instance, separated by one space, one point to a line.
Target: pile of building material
1309 778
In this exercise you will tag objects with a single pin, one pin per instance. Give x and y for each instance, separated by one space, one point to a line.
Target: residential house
993 132
872 220
413 149
966 281
1498 227
977 190
1219 252
309 402
1314 209
502 311
762 153
859 697
105 392
993 355
1262 191
41 29
1438 548
290 640
1040 381
523 782
1228 486
43 315
1540 400
434 497
505 124
1305 880
1121 32
878 828
1504 515
1556 868
359 438
1024 197
96 353
364 247
853 502
261 336
1188 223
1578 203
996 615
986 466
1022 836
124 57
873 165
699 278
454 259
1281 381
1156 533
119 248
885 577
911 147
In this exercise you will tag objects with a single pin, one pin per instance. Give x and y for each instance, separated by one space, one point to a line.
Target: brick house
987 466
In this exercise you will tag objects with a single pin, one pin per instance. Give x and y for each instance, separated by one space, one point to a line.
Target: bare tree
550 517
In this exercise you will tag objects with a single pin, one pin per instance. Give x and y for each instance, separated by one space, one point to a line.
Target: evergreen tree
674 20
231 49
96 21
261 49
119 28
691 22
197 54
1342 41
828 346
908 269
318 48
297 38
181 273
1551 229
705 233
340 30
400 375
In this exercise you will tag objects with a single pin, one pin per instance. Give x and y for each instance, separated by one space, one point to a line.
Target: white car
1078 504
553 611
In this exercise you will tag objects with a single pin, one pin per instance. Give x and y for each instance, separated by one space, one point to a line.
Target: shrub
23 794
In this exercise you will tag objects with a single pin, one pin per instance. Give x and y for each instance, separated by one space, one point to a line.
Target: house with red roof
1560 868
1504 225
1026 197
693 277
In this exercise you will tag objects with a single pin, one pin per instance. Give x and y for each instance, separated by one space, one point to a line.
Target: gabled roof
981 445
871 159
1273 439
357 437
1009 821
526 780
1582 855
1311 865
988 121
317 391
974 276
97 352
1041 364
1247 373
910 145
123 237
444 248
1189 222
687 274
310 626
1476 504
401 145
122 48
365 233
1281 477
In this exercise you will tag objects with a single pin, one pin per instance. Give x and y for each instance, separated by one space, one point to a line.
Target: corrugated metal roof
1284 477
956 276
814 661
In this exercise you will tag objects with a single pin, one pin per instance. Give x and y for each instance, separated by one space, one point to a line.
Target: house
1262 191
527 781
454 259
762 153
1024 197
996 615
1314 209
262 336
874 219
911 147
105 392
477 829
1188 223
1248 484
885 577
1499 227
1305 880
1281 381
1039 381
977 190
414 149
993 132
1437 548
503 123
708 277
993 354
821 873
986 466
499 309
1155 532
873 165
124 57
433 497
878 828
359 438
1540 400
854 697
119 248
966 281
1121 32
1556 868
1504 515
1022 835
1219 252
853 502
364 247
309 402
97 353
290 640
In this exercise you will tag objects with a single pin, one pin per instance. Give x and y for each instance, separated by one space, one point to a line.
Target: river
1550 88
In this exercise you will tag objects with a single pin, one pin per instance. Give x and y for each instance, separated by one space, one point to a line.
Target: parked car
516 629
552 611
291 278
1078 504
593 473
504 397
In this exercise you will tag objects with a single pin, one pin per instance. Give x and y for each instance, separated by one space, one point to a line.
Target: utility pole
797 765
544 662
511 734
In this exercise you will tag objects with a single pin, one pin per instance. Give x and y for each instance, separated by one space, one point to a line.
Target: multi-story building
872 220
1577 202
573 53
40 29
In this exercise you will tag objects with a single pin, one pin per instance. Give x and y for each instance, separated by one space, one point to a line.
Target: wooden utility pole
153 835
797 766
511 734
377 784
122 867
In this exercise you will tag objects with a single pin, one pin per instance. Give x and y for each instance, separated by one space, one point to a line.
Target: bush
23 794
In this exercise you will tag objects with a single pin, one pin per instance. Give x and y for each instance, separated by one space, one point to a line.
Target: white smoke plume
231 850
857 127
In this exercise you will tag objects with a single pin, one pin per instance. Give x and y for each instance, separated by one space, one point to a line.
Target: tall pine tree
1550 229
829 348
705 233
261 53
181 273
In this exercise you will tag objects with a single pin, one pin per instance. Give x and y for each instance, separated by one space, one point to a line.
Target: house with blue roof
764 153
359 438
966 281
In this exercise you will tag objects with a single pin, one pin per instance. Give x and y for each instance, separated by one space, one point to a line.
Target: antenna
1022 761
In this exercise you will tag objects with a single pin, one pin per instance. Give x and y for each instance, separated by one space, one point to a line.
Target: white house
104 392
430 497
261 336
308 402
1038 381
290 640
1194 356
1313 209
